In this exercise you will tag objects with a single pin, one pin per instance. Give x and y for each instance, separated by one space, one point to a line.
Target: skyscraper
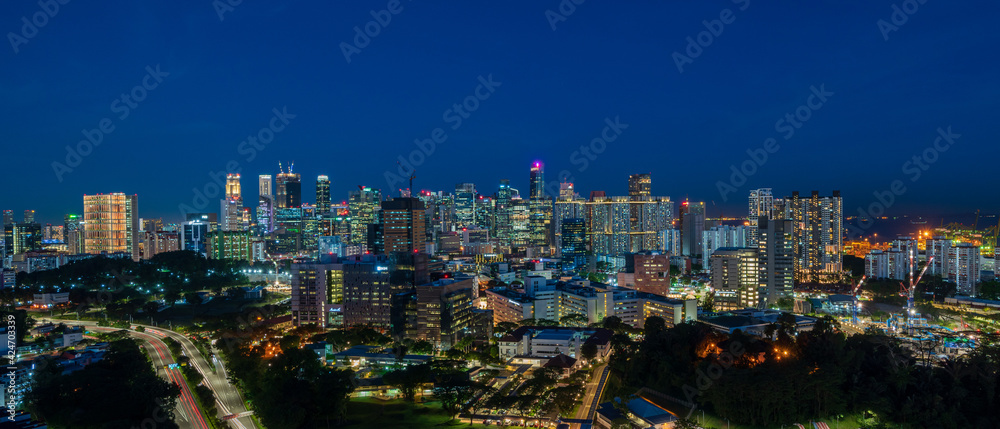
639 185
465 205
363 206
574 241
818 236
776 258
403 225
289 186
963 268
502 212
111 224
652 272
73 233
761 204
735 278
265 204
29 216
232 205
323 195
536 180
8 217
692 227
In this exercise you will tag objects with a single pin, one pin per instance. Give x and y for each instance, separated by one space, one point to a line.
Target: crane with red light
909 290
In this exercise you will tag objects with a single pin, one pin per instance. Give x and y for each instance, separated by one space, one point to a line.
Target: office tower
611 231
465 205
937 247
639 185
726 236
232 245
367 292
265 204
652 272
540 212
818 236
287 235
156 242
574 241
194 235
316 290
289 187
8 217
403 225
776 254
310 230
29 216
502 212
484 212
363 206
536 181
520 223
322 195
444 310
761 204
22 237
735 278
232 205
670 241
964 268
111 224
568 206
151 225
692 227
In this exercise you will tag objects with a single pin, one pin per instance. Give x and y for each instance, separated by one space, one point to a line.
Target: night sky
557 90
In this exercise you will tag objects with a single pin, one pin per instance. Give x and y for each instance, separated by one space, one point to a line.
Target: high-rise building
194 234
323 195
725 236
233 245
465 205
22 237
652 272
232 205
444 310
964 268
818 223
502 212
8 217
520 223
363 206
692 226
735 278
536 181
574 241
569 205
403 225
761 204
156 242
111 224
73 233
937 247
776 258
609 226
639 185
289 187
29 216
265 204
317 291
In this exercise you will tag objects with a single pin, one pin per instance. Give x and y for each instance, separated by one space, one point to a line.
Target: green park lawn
366 413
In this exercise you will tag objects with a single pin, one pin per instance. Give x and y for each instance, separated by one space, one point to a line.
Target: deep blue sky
606 59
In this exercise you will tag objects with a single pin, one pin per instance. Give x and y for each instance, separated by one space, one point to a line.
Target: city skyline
692 122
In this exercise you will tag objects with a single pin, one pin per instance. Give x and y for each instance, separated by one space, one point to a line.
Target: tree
423 347
408 379
574 319
708 303
588 350
193 298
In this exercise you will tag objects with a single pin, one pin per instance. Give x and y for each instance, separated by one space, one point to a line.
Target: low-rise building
533 344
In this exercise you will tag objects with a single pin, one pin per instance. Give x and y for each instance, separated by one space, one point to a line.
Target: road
187 409
228 399
595 388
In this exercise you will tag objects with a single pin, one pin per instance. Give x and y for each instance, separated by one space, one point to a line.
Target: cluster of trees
292 389
809 375
177 272
119 391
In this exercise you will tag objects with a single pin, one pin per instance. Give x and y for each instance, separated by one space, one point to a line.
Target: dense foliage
808 375
119 391
292 389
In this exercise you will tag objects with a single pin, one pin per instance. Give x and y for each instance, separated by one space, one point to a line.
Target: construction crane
909 291
854 293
